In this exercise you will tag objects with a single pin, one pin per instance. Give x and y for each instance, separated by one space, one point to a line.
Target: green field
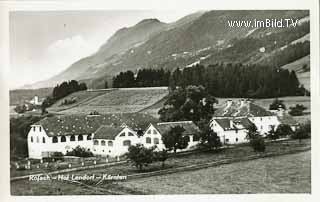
281 174
126 100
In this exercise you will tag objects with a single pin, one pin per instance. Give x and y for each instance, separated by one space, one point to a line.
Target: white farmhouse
239 115
65 132
153 134
114 141
231 131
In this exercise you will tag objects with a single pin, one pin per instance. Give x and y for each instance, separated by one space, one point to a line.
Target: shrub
283 130
80 152
258 144
276 104
140 155
297 110
303 132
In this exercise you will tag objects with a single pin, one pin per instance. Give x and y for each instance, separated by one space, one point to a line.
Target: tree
297 110
252 132
303 132
20 109
80 152
272 134
190 103
277 104
161 156
140 155
209 138
283 130
174 139
258 144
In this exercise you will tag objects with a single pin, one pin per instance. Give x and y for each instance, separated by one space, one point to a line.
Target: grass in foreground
282 174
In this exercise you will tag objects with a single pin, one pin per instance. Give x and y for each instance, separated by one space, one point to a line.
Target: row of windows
124 134
38 140
110 143
34 128
150 131
103 143
155 140
72 138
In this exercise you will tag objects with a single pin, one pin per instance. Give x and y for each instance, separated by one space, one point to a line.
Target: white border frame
312 5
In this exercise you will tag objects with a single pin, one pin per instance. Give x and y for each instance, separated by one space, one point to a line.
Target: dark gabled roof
234 124
189 127
241 109
224 123
288 120
107 132
85 124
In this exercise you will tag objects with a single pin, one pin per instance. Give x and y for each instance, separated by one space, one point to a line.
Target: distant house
153 134
233 118
231 131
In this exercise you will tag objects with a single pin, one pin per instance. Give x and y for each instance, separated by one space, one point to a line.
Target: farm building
232 120
153 134
105 135
65 132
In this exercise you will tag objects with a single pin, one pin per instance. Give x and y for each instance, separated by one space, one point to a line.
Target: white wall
153 133
229 136
265 123
36 149
118 148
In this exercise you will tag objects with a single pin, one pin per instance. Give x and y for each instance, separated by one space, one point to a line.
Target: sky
44 43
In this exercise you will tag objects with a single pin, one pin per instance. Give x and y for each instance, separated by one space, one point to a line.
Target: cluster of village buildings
111 135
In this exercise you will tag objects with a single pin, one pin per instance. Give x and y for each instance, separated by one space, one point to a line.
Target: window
236 139
227 140
80 137
261 119
34 128
43 140
131 134
149 131
89 137
37 139
148 140
63 139
31 139
103 143
187 138
154 132
126 143
122 135
72 138
110 143
156 140
261 127
196 138
96 142
40 128
55 139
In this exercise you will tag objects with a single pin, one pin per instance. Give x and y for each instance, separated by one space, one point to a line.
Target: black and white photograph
160 102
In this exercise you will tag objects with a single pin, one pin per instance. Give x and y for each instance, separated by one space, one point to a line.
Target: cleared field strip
127 100
81 97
